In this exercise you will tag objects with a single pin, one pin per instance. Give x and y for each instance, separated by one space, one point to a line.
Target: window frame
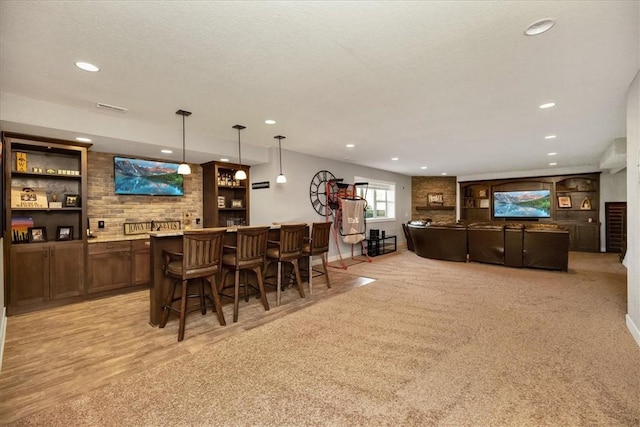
374 185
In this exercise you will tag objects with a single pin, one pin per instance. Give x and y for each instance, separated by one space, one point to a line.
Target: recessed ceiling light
87 66
550 137
166 151
270 122
552 164
547 105
539 27
443 173
551 154
350 145
395 158
423 167
83 139
224 160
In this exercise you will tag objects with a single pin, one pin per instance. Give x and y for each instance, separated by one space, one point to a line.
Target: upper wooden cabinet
225 200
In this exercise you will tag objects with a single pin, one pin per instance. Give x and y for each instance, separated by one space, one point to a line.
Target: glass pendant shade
184 168
281 179
240 174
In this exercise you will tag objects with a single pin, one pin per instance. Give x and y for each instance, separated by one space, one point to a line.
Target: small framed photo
65 232
236 203
484 203
564 201
221 202
586 204
482 193
71 200
37 234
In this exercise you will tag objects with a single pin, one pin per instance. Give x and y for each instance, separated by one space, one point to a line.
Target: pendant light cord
280 151
239 149
183 146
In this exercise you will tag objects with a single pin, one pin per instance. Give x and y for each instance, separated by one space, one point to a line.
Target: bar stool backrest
320 236
202 253
251 244
291 240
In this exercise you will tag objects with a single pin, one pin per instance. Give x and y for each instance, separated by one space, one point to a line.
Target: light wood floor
56 354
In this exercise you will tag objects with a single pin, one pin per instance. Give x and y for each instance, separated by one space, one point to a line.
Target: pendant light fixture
281 179
240 174
184 168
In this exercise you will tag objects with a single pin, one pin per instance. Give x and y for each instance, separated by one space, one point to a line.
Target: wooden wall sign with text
146 227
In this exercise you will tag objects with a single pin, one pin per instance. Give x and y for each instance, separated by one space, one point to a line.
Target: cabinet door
141 267
29 274
588 237
66 274
109 271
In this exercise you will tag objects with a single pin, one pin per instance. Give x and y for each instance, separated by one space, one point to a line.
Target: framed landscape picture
64 232
564 201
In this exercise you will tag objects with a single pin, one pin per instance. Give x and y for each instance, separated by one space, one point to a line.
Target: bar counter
172 241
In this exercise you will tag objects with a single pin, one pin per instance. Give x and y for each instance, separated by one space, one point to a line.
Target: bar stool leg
278 284
324 267
216 300
310 274
296 270
183 311
203 303
263 294
167 304
236 295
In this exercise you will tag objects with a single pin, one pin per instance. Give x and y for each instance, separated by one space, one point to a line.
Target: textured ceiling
453 86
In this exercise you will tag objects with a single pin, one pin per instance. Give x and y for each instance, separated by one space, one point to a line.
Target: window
380 197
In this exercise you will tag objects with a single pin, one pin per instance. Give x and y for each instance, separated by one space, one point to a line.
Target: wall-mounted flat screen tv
146 177
522 204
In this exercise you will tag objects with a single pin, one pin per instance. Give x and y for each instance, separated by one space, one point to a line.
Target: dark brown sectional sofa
514 245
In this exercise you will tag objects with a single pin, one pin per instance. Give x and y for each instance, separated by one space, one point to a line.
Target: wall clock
318 190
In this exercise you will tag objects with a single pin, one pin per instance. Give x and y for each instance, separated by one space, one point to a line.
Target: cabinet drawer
140 245
107 247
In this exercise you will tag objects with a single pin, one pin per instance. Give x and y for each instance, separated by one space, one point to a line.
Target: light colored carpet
429 343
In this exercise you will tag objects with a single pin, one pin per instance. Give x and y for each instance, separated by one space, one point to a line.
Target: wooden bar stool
248 255
201 258
318 244
287 249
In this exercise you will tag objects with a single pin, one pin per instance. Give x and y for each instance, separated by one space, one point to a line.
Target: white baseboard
633 328
3 333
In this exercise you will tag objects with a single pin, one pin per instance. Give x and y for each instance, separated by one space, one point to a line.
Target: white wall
632 259
290 202
613 188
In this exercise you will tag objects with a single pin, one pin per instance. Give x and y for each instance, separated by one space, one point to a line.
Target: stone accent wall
422 185
104 205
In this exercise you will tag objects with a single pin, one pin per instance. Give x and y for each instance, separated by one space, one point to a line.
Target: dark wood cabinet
574 204
225 200
476 202
140 262
118 265
43 272
109 266
45 187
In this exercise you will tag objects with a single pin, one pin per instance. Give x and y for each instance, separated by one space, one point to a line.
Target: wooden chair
318 244
287 249
248 255
201 258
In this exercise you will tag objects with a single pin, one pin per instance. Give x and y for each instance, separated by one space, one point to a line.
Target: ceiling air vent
111 107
